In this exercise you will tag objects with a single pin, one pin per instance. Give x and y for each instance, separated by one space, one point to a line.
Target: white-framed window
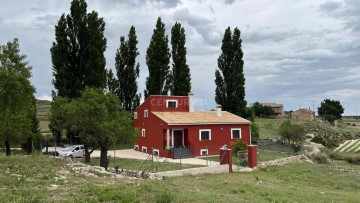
205 134
144 149
156 152
136 147
203 152
142 132
235 133
171 103
146 113
135 115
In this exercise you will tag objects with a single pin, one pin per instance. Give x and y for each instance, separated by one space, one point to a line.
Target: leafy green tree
127 71
229 77
262 111
157 60
330 110
180 74
98 119
17 95
293 134
78 51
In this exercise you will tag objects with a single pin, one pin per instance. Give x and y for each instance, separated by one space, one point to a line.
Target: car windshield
66 149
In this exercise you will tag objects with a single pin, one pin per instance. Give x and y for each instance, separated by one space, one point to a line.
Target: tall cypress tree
78 51
127 71
157 60
180 74
229 77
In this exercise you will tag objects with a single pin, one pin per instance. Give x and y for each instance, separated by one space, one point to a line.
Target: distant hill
43 113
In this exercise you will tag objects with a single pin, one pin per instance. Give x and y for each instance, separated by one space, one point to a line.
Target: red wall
220 135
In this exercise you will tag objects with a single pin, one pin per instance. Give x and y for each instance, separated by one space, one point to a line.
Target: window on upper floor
235 133
171 103
146 113
205 134
135 115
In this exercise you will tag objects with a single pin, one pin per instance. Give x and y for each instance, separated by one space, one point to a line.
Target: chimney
218 110
191 102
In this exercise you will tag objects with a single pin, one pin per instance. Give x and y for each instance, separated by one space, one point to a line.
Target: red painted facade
153 130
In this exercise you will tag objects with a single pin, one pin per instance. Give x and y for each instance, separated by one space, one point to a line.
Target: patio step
181 153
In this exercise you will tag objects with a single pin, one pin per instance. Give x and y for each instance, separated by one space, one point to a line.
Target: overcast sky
296 52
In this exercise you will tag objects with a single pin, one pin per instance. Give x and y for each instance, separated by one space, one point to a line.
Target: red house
170 127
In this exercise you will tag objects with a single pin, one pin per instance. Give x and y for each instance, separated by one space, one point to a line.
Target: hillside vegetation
323 133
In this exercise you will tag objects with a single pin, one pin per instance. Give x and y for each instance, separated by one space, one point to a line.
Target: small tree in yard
293 134
238 146
330 110
98 119
254 132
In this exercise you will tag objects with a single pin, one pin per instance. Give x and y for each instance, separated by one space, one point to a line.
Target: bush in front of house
238 146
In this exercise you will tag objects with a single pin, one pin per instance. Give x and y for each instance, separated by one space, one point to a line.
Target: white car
73 151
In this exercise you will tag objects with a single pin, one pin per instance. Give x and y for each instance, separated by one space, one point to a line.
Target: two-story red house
170 127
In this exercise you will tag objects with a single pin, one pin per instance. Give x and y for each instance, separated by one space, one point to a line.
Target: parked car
52 151
73 151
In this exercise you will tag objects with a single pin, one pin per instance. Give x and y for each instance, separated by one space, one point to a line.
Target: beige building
278 108
303 115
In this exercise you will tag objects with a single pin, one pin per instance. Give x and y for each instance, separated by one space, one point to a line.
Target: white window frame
136 147
135 115
146 113
232 136
156 151
143 132
203 130
204 150
171 100
144 149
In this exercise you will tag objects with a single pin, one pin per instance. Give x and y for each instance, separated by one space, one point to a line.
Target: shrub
238 146
355 159
336 156
254 132
320 159
293 134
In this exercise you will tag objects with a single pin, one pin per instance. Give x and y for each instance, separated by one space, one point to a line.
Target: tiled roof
273 105
200 117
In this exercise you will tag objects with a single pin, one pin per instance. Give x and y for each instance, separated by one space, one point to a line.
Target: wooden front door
178 138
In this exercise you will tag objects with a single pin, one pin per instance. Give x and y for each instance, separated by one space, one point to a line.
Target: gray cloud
203 26
330 6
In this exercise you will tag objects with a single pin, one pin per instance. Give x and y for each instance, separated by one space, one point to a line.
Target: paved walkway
133 154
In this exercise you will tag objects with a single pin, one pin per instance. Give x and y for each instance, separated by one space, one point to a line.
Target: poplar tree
78 51
180 74
127 71
157 60
229 77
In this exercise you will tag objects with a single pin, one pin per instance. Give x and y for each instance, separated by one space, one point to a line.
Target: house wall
220 135
303 115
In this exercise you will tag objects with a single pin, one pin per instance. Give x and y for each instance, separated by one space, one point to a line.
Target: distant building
303 115
278 108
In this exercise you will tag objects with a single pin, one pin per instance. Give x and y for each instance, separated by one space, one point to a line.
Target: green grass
43 179
134 164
